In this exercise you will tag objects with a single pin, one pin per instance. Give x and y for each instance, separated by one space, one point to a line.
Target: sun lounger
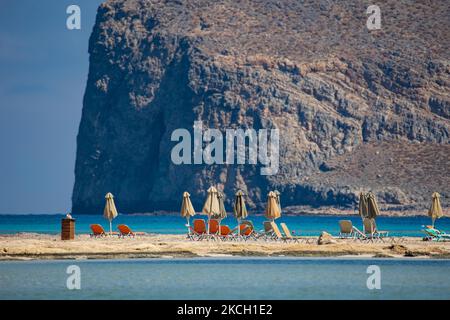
125 231
277 233
381 234
226 233
359 235
289 235
268 233
371 232
349 231
434 234
199 230
249 231
346 230
97 231
214 228
246 231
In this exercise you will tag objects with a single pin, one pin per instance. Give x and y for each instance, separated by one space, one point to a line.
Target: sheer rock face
312 69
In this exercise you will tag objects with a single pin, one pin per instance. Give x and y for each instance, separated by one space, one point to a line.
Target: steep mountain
357 109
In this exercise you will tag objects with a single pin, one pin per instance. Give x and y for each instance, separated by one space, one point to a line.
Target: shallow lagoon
227 278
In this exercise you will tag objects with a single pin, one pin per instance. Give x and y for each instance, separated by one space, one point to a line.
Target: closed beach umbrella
110 211
239 208
222 212
272 209
187 210
372 206
363 210
212 204
277 194
435 211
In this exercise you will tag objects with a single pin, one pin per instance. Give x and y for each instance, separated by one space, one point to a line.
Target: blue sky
43 72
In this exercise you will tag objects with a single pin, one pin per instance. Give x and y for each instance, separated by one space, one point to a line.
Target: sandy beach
27 246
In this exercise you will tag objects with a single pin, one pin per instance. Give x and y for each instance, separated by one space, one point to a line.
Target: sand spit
27 246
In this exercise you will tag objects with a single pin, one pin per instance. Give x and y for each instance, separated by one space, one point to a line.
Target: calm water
307 225
234 278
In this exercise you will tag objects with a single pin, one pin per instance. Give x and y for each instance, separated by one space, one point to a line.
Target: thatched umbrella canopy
363 207
187 209
272 209
211 207
239 209
277 194
222 212
435 211
110 211
372 206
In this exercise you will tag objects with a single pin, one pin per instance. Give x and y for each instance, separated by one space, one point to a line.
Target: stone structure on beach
356 109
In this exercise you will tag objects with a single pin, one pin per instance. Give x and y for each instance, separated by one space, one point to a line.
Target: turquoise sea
227 278
172 224
223 278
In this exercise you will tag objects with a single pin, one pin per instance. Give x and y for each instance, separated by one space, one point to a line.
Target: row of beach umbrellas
214 206
368 207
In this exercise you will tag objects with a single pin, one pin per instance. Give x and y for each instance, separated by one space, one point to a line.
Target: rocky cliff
356 109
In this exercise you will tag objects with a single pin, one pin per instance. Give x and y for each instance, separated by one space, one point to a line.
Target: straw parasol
363 209
372 206
277 194
212 204
239 208
110 211
222 212
272 209
435 211
187 210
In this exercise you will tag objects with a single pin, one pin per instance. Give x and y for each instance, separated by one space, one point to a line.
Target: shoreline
29 246
287 212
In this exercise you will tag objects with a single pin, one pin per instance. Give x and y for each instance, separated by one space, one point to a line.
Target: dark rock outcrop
334 89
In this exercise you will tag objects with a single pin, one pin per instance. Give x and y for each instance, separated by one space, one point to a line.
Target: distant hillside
357 109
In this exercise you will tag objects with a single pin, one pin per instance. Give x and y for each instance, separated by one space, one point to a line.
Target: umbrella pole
209 215
220 221
207 231
187 225
110 227
239 229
